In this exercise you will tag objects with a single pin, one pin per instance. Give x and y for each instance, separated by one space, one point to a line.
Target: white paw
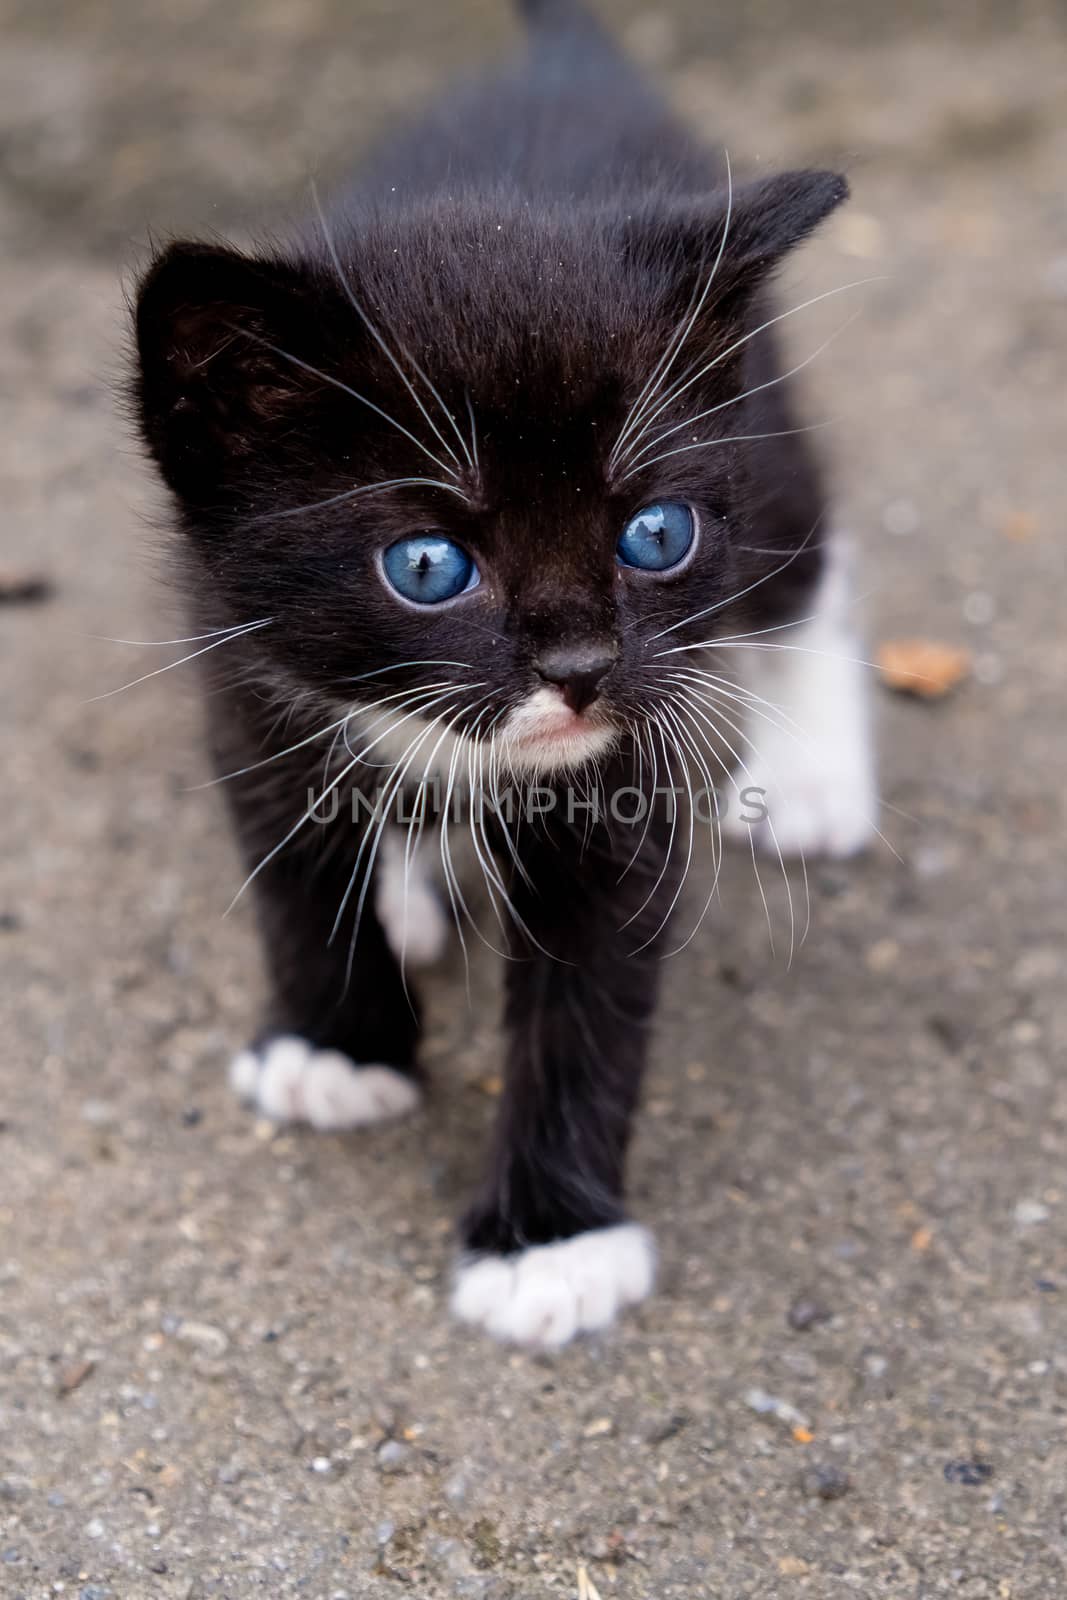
818 796
408 905
290 1081
547 1294
807 742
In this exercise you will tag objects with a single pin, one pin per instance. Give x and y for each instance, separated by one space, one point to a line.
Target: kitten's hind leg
807 742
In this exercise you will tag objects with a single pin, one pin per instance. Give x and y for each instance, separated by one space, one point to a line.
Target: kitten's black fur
533 244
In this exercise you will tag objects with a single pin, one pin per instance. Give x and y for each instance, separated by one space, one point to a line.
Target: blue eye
658 537
429 569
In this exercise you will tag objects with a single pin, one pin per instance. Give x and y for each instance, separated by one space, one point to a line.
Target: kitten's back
572 119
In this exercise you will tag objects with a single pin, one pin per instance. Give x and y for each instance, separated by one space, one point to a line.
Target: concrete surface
224 1364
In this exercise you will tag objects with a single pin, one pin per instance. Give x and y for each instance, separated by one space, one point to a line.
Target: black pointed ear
734 243
212 385
770 216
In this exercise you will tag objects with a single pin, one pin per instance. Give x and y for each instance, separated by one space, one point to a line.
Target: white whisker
336 383
352 494
740 762
690 422
356 757
634 418
236 633
735 438
691 817
383 346
732 599
714 821
403 767
474 434
192 638
674 828
770 322
359 710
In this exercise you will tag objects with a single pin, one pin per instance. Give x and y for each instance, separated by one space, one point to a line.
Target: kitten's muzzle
577 669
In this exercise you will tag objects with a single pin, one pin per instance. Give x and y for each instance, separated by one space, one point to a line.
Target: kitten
467 481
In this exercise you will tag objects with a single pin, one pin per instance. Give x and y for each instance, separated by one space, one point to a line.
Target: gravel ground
224 1364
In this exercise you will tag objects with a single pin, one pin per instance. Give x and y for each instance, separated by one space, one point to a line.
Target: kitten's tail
555 14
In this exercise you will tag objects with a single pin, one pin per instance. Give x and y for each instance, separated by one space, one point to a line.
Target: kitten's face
459 463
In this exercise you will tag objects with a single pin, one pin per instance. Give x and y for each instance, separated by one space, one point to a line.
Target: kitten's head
477 462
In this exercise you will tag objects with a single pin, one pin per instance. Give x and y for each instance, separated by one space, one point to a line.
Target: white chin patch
549 1293
542 735
290 1081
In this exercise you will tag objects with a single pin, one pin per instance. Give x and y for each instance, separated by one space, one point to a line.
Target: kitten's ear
745 235
212 384
770 216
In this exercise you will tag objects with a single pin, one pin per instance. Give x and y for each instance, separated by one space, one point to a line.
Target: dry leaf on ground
922 667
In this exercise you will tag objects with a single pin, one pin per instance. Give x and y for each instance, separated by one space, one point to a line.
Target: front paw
810 797
546 1294
289 1080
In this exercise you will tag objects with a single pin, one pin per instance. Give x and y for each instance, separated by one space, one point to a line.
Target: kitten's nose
577 669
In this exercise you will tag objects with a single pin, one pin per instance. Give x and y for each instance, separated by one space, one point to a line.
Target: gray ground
224 1364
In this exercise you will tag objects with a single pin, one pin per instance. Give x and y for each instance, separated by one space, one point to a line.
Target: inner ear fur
212 383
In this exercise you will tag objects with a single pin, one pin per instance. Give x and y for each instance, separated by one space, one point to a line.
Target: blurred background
225 1367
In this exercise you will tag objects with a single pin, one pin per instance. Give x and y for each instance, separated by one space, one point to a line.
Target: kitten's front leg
806 743
550 1249
337 1049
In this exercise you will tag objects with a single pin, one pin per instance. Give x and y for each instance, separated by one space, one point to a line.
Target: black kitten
468 482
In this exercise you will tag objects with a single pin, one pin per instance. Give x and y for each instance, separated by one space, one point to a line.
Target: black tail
555 13
565 23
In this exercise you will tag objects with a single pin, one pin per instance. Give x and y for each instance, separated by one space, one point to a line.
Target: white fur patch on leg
545 1295
290 1081
408 905
810 750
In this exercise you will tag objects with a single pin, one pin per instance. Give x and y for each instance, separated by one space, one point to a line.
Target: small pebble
772 1405
204 1336
1028 1213
94 1529
99 1114
74 1376
394 1456
971 1474
447 1556
824 1482
321 1464
456 1489
667 1427
806 1312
